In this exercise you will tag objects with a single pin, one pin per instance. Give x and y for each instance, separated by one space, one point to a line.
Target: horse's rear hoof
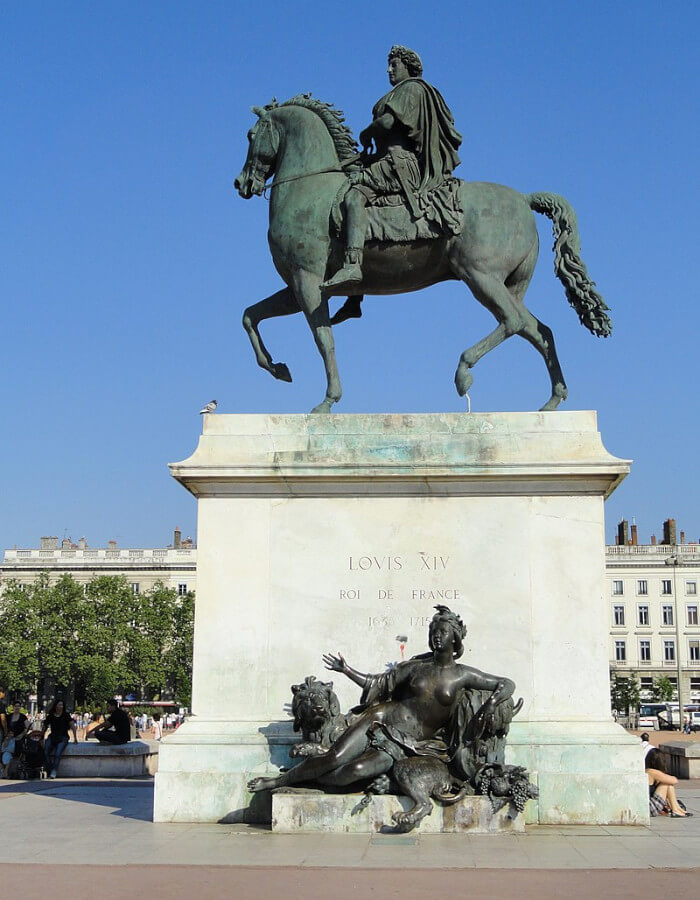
281 372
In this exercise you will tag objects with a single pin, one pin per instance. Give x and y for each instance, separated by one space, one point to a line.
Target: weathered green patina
490 241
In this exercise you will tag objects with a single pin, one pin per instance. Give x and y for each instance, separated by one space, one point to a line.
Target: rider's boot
350 276
346 279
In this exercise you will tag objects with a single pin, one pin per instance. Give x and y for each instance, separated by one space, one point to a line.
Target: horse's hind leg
537 333
470 357
540 336
282 303
490 291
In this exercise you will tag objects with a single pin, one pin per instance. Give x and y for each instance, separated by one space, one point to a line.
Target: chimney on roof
177 538
633 531
66 544
111 544
82 544
48 543
682 537
653 540
669 532
623 532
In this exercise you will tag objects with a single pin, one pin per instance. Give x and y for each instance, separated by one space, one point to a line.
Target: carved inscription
409 565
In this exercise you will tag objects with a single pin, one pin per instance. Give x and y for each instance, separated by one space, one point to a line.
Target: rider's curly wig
409 58
459 630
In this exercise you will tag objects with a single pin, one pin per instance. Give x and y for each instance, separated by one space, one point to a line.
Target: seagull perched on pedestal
209 408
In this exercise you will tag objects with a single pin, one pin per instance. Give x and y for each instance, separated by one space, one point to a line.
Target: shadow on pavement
131 798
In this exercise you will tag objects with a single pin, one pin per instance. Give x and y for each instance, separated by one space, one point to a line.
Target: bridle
260 165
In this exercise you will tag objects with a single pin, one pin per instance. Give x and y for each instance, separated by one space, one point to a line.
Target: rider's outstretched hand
335 663
366 141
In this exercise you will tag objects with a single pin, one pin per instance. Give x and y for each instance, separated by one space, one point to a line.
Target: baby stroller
32 758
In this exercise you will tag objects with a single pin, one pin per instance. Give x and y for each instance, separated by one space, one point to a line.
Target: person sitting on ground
116 728
647 746
59 722
662 790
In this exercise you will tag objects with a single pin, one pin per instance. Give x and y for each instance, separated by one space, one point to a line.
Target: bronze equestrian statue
347 223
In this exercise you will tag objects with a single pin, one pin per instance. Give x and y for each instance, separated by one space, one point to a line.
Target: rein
327 171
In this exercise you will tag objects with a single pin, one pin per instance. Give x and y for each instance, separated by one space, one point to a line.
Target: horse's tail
568 266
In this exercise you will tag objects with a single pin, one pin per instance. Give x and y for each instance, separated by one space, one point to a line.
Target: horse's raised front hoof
463 379
281 372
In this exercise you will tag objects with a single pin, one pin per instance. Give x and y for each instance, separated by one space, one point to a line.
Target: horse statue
306 146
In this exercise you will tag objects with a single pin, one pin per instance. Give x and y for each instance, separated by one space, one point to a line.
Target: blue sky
126 257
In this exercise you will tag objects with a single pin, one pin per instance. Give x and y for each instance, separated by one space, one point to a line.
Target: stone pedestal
340 813
341 532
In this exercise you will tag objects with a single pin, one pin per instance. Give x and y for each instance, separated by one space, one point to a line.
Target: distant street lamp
675 560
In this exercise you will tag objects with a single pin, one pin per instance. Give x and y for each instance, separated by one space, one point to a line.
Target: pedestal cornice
431 454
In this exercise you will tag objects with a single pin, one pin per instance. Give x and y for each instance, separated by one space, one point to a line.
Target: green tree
662 689
99 639
624 693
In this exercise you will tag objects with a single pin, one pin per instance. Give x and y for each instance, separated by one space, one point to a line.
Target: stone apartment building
654 608
174 565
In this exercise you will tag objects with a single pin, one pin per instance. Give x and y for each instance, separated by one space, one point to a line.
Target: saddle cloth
390 219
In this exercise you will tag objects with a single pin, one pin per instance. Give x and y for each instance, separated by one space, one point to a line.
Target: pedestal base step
298 813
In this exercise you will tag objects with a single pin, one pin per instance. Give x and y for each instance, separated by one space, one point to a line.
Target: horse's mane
332 118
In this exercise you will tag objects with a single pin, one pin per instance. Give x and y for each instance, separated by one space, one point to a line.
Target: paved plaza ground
96 838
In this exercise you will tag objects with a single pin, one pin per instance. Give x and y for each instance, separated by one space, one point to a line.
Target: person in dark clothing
3 714
17 723
59 722
116 728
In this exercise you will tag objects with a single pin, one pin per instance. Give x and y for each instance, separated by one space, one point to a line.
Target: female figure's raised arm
338 664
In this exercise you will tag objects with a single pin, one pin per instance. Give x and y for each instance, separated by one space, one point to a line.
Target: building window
619 615
666 586
695 683
666 615
643 615
646 683
692 614
694 651
645 651
620 651
669 651
617 588
182 589
691 588
642 587
135 587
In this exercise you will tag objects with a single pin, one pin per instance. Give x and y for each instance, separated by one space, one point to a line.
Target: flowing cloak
429 124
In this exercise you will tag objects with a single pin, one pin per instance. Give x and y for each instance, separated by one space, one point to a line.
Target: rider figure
416 150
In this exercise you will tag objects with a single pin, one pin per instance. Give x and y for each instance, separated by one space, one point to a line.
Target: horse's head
263 143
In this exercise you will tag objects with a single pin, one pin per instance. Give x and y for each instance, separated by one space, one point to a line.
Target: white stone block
341 532
296 813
